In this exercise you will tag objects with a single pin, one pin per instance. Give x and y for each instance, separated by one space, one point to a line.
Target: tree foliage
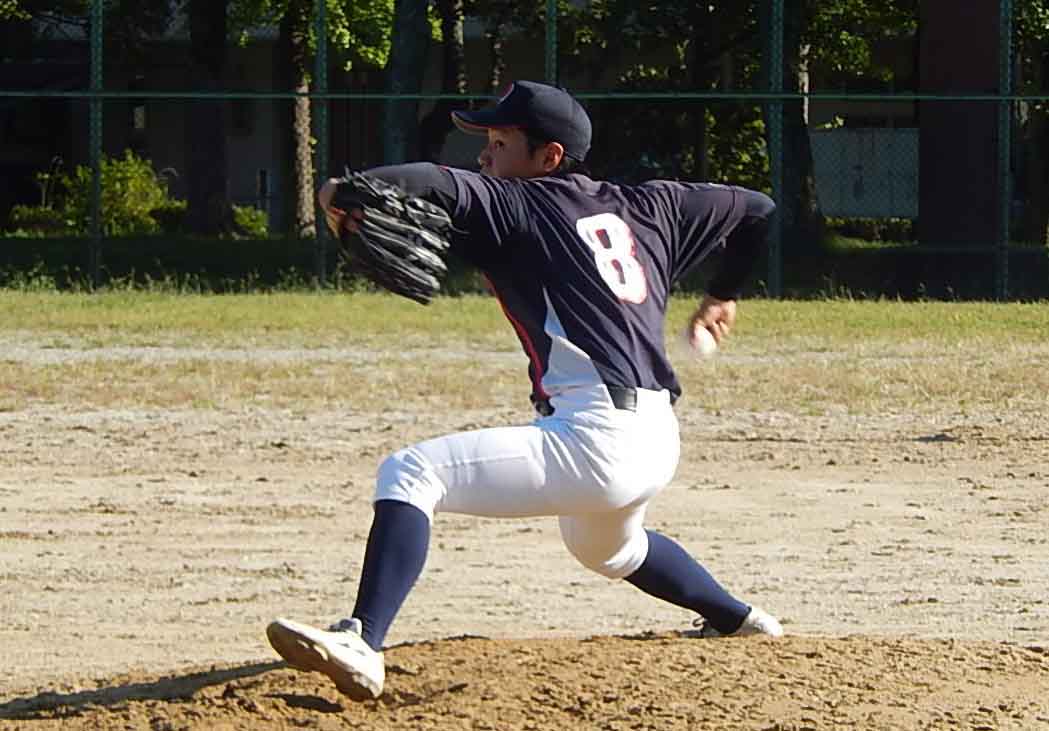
360 29
621 45
1031 45
841 35
12 10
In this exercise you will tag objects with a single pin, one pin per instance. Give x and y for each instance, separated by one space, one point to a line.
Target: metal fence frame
774 98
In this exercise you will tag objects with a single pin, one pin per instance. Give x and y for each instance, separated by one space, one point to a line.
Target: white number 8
612 242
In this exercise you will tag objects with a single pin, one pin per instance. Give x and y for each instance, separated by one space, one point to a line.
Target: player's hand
337 219
717 316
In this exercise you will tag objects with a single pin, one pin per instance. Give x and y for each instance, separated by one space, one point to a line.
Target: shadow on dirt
168 688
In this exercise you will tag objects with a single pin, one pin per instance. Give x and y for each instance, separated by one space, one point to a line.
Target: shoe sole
302 652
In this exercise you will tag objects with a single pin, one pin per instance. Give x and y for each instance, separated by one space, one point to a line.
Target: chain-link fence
903 163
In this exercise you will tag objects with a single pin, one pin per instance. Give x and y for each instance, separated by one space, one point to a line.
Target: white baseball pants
591 464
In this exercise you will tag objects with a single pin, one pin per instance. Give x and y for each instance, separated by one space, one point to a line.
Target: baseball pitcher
583 270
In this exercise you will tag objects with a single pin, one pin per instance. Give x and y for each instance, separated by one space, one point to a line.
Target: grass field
796 357
143 318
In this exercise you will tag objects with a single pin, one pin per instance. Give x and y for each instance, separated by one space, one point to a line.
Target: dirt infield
641 682
144 551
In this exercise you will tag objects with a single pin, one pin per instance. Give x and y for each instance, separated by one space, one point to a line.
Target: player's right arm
713 314
704 218
743 247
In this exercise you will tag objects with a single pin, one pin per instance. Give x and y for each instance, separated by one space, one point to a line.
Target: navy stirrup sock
396 552
669 573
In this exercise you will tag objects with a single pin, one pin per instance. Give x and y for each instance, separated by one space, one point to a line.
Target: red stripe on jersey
529 346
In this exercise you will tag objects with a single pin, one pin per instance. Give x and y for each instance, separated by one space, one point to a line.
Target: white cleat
757 622
339 652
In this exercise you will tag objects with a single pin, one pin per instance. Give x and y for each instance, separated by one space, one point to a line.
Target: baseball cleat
339 652
757 622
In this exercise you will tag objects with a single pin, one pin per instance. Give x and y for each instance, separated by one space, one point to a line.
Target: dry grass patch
853 382
374 352
403 381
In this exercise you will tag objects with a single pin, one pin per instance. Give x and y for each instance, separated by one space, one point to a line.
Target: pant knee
407 476
614 555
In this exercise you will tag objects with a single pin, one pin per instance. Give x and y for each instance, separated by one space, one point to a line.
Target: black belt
623 398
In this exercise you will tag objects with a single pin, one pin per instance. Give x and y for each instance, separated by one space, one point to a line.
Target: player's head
534 130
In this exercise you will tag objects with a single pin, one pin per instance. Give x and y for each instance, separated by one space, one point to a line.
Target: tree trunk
295 52
494 35
404 75
209 210
700 78
1037 211
803 223
1036 215
958 152
435 126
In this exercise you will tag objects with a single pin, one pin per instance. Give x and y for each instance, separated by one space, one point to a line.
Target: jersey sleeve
700 215
487 212
422 179
490 212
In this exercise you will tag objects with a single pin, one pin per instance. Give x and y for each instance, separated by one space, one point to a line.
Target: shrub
171 216
135 202
896 230
38 222
131 190
251 222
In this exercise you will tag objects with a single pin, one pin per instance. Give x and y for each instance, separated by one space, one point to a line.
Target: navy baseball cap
544 111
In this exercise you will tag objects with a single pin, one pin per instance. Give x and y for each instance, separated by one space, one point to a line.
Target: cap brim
480 121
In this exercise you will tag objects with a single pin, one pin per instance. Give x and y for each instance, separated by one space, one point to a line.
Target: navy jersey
583 269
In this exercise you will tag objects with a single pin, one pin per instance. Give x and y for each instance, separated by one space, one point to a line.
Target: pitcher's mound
663 682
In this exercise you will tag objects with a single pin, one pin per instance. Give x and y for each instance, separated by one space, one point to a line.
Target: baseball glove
402 239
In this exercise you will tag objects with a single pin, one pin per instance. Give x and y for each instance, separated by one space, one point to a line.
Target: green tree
296 54
358 31
620 46
721 47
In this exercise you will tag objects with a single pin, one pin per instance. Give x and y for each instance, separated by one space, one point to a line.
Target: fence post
95 145
320 120
775 132
551 42
1005 25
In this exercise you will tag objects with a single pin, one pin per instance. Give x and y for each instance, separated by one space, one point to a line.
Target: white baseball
705 344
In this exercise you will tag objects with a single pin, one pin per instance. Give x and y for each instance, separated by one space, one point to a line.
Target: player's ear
552 156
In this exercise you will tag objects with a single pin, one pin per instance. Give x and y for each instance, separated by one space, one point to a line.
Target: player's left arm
486 208
425 180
